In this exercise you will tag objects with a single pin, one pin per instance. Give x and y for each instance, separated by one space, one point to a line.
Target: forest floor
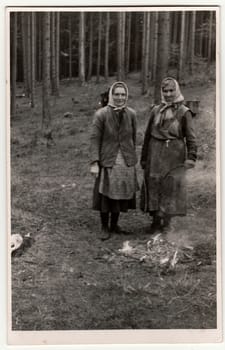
67 279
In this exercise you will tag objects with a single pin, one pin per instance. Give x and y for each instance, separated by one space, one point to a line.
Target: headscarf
178 95
166 111
111 102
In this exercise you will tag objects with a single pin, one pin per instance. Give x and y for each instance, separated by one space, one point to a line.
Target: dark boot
114 227
156 224
166 223
114 223
104 234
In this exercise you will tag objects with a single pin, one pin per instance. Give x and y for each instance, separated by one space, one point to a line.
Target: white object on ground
16 241
127 249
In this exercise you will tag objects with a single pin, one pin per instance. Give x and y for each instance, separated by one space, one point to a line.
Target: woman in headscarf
113 159
169 149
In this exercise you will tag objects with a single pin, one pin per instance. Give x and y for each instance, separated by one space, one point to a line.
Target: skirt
115 188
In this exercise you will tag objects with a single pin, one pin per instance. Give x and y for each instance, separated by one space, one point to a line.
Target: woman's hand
94 169
189 164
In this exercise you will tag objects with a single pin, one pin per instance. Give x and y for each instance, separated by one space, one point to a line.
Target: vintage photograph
114 169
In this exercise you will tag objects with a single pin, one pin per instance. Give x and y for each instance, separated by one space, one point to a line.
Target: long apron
164 186
115 188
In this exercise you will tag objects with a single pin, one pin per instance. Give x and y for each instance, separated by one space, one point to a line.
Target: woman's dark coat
164 152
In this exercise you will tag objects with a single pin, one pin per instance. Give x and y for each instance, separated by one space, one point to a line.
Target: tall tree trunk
136 41
52 15
192 42
143 45
40 48
119 40
82 48
155 50
213 48
29 51
57 53
13 63
121 46
175 28
210 38
46 115
53 53
127 65
90 58
123 38
107 46
152 26
25 58
99 47
187 37
201 37
145 82
70 45
33 61
181 51
162 53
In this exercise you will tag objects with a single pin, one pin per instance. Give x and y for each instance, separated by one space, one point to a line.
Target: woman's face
169 92
119 96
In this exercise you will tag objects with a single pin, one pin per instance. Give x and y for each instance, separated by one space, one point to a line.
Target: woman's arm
96 136
134 125
144 151
189 134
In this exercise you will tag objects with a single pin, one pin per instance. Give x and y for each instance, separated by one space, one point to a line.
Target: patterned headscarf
112 88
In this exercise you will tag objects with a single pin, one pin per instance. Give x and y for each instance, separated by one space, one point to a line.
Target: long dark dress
167 144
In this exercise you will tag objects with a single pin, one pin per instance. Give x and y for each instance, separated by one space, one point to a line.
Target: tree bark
151 56
25 58
192 42
201 21
127 65
53 54
121 46
162 53
70 45
181 51
33 60
143 46
107 46
136 41
40 47
155 49
82 48
29 52
90 59
145 83
46 115
13 63
57 53
187 38
210 38
175 28
99 47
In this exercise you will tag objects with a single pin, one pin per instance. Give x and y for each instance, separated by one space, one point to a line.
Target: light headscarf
178 97
112 88
166 111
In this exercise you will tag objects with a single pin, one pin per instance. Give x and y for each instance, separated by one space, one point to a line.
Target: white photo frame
124 338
